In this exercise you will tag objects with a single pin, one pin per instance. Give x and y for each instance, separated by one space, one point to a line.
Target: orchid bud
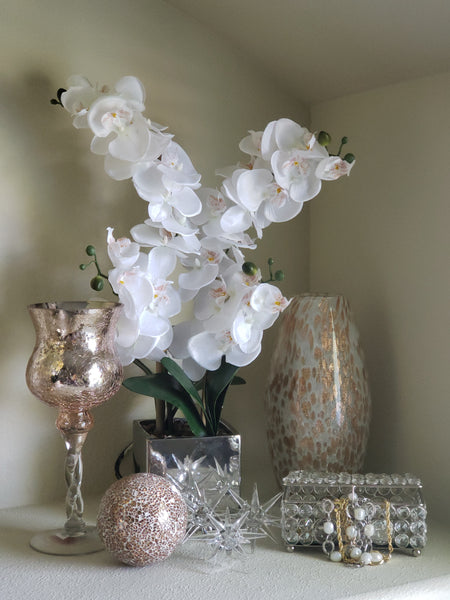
279 275
250 268
90 250
97 283
324 138
83 266
349 158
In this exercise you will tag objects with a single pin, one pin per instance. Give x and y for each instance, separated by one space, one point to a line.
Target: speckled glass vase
74 367
317 396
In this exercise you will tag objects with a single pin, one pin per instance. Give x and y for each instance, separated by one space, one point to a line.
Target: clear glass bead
418 527
305 524
305 510
401 540
292 538
380 534
418 513
401 526
290 510
305 538
290 523
417 541
403 512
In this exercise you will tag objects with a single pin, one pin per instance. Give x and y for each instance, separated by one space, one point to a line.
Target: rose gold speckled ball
142 519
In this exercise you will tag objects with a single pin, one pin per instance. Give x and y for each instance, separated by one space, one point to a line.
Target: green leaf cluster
200 402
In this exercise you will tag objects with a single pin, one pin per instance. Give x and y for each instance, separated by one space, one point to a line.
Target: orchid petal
235 220
198 278
204 349
161 262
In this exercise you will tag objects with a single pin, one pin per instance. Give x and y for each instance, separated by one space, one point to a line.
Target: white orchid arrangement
203 232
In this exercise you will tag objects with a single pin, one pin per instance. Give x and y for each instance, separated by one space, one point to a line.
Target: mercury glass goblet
74 366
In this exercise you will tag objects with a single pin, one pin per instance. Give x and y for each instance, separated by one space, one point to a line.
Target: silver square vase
210 460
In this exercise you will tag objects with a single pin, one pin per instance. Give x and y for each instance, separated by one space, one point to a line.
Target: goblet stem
74 427
75 524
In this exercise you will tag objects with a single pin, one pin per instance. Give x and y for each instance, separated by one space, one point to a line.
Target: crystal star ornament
229 535
188 472
259 519
225 478
200 511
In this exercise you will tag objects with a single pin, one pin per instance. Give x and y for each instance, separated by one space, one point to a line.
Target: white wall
56 199
383 240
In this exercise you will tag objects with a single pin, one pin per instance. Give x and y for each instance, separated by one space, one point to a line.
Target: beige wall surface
56 198
383 241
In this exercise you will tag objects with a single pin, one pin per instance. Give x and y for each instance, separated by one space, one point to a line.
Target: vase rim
320 295
74 306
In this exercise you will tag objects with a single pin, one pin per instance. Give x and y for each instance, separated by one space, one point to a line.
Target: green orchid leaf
160 385
220 379
216 386
176 371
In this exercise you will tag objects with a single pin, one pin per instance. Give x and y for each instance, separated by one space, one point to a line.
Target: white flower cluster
203 230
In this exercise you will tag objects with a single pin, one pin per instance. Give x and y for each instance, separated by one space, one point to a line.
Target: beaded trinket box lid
354 517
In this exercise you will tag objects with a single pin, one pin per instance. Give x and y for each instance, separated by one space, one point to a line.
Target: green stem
160 409
142 366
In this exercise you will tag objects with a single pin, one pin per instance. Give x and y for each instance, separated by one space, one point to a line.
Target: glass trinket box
353 515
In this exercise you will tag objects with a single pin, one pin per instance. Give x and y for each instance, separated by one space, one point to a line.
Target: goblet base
59 542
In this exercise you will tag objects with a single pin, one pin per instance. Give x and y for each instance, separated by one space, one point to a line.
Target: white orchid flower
119 168
286 135
151 234
295 171
218 304
118 129
251 144
164 203
267 299
332 168
78 98
214 204
207 349
177 169
122 252
166 300
141 337
135 292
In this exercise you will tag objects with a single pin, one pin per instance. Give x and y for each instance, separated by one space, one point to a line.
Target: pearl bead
351 532
369 530
377 557
366 558
336 556
355 552
360 514
328 527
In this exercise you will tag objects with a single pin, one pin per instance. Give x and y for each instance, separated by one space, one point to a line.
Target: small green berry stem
344 140
97 281
279 275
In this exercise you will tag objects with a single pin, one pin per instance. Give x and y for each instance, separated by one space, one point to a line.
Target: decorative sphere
142 518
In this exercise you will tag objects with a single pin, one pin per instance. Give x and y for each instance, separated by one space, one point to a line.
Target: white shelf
270 573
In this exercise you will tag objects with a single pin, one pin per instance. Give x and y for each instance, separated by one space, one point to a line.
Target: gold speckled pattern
317 396
142 518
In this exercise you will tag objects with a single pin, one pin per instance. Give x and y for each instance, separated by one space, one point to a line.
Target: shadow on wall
54 203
